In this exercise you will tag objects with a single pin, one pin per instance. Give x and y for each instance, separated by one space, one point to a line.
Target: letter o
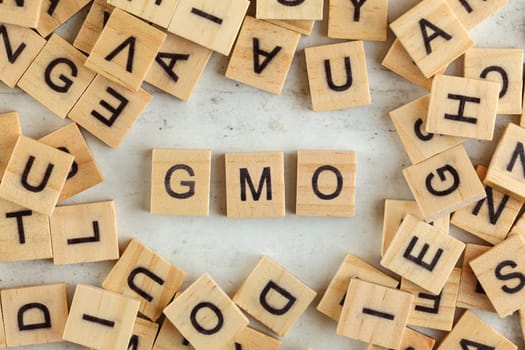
198 326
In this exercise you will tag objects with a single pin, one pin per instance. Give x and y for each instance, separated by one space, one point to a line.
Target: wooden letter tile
463 107
10 126
432 35
435 311
35 175
180 182
108 110
251 339
290 10
304 27
325 183
422 254
57 77
158 12
473 12
374 314
84 172
55 12
169 338
20 47
205 315
412 340
274 296
92 26
2 329
84 233
410 122
143 275
472 333
352 267
262 55
358 20
444 183
211 24
100 319
178 66
125 50
255 184
20 13
143 335
337 76
519 226
34 315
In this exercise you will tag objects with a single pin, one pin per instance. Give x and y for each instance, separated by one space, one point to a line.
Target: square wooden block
422 254
434 311
358 20
143 335
212 24
92 26
21 13
158 12
410 123
506 171
169 338
470 332
84 172
180 182
255 184
34 315
125 50
273 296
178 66
432 35
491 218
54 13
251 339
325 183
337 76
334 297
472 12
24 45
444 183
143 275
262 55
57 77
108 110
290 10
463 107
471 294
10 126
498 265
100 319
35 175
84 232
412 340
504 66
304 27
374 314
205 315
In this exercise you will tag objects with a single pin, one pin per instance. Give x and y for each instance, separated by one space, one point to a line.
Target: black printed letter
74 166
25 176
20 223
329 78
357 9
518 152
90 239
494 214
266 178
510 276
460 117
419 132
504 78
11 56
115 112
46 323
64 88
131 52
258 67
442 176
469 344
189 184
168 67
437 32
315 182
283 292
141 270
419 259
431 310
198 326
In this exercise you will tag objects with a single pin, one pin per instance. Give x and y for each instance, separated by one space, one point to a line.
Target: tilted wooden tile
84 172
422 254
470 332
35 175
10 126
255 184
374 314
472 12
146 276
262 55
180 182
432 35
92 26
20 47
209 23
178 66
506 171
158 12
519 226
334 297
251 339
471 294
2 330
108 110
325 183
34 315
21 13
444 183
491 218
143 335
504 262
304 27
358 20
169 338
84 232
435 311
57 77
100 319
125 50
205 315
262 293
55 12
290 10
337 75
412 340
410 122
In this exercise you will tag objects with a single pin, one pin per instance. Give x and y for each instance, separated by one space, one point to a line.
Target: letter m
266 178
